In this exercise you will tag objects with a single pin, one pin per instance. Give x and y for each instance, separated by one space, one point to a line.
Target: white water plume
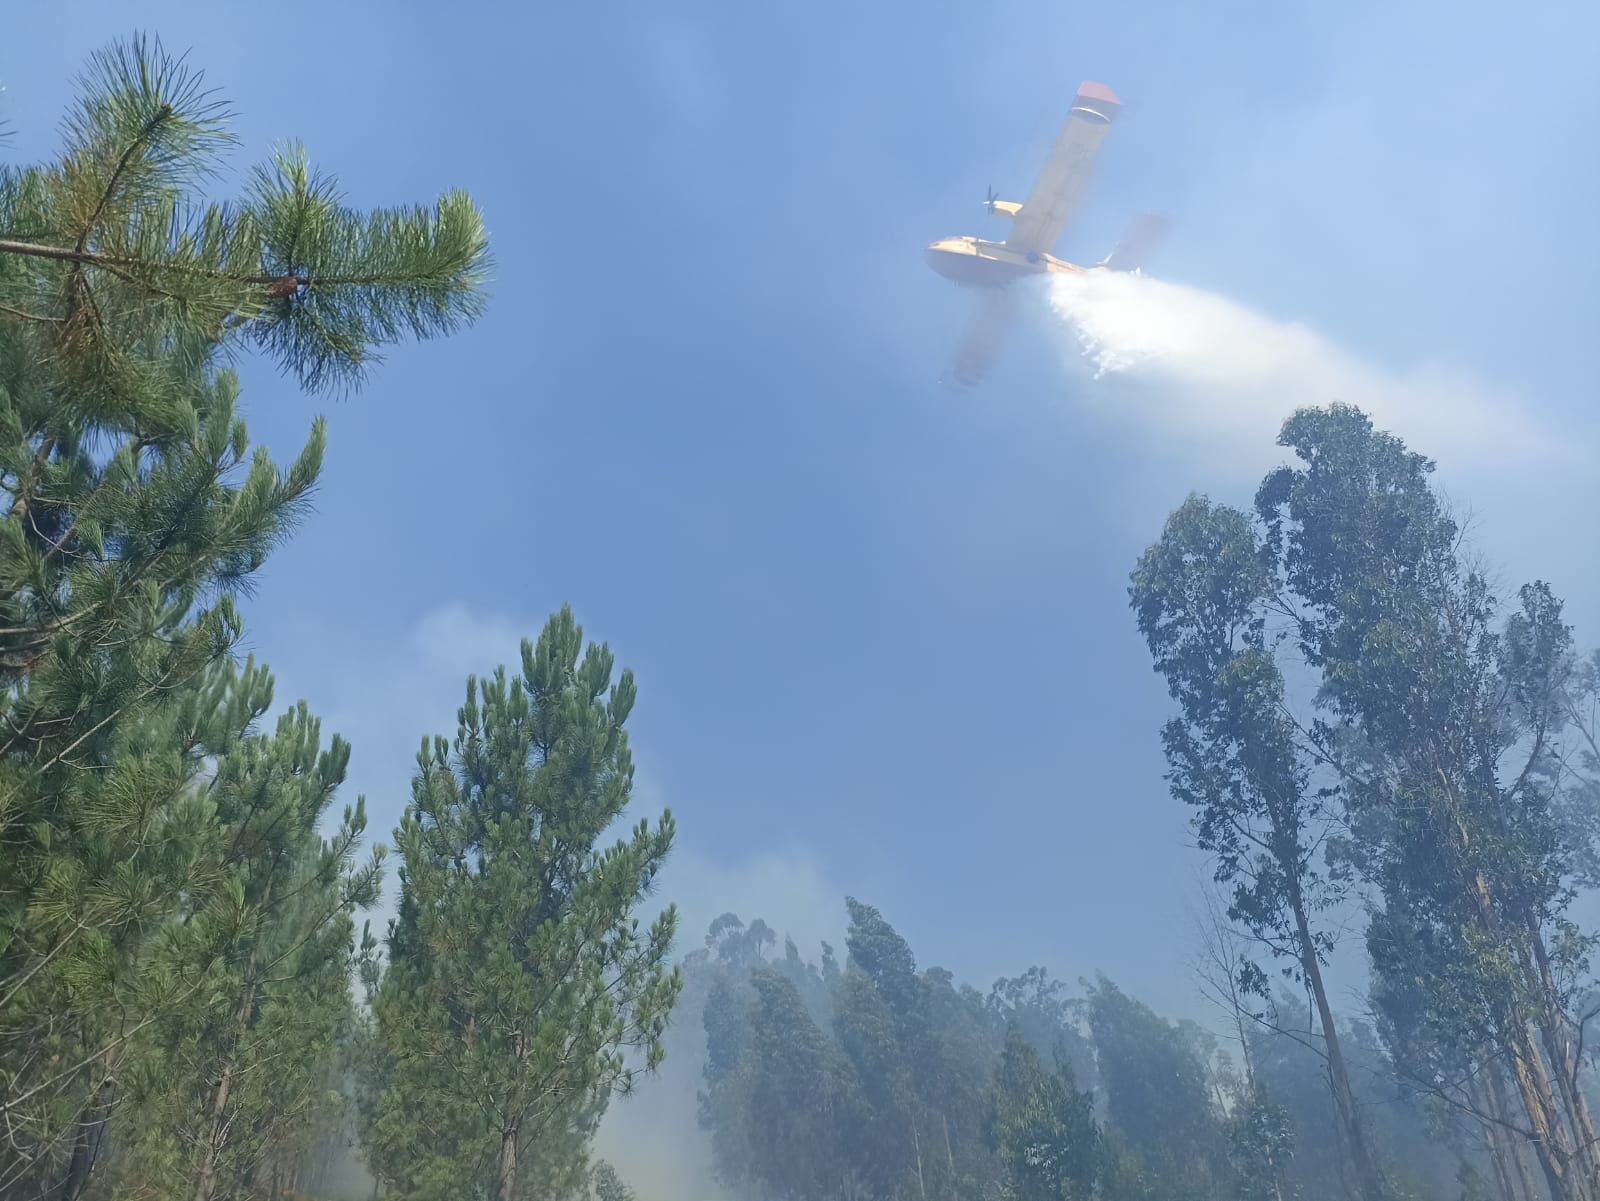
1206 369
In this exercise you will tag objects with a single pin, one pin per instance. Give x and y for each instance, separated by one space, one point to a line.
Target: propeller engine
996 207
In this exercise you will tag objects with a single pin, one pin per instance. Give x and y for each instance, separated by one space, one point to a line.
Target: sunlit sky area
880 628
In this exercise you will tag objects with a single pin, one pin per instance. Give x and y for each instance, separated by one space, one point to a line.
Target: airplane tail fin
1144 234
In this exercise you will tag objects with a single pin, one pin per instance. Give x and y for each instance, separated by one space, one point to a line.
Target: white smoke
1205 370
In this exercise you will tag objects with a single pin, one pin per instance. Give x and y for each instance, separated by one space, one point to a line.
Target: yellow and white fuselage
975 262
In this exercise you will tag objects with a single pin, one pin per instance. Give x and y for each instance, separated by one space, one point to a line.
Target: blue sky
880 628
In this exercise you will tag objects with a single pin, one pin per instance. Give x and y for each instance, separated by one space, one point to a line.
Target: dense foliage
517 979
177 914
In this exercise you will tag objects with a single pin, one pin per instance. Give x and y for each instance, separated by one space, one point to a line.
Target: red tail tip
1088 90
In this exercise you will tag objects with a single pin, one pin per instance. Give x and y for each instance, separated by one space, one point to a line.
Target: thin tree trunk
1550 1141
1501 1108
86 1143
326 1149
1496 1139
1564 1060
1369 1180
507 1168
1503 1181
508 1164
916 1146
206 1182
1250 1083
217 1127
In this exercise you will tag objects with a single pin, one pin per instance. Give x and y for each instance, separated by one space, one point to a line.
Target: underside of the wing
1055 195
987 330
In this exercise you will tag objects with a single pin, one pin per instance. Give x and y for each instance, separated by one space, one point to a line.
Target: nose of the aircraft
943 259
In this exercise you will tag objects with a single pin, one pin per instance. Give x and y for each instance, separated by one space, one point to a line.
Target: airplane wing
989 324
1055 193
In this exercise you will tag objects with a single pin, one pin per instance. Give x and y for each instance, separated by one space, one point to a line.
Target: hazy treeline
191 1005
867 1077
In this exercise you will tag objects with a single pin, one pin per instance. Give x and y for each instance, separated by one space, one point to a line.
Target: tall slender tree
1203 595
803 1097
921 1049
1159 1095
520 992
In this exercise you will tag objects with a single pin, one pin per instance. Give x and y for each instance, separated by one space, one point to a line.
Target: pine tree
120 295
520 992
107 254
234 1076
127 913
132 512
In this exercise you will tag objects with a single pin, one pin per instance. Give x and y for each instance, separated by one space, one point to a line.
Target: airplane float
1036 225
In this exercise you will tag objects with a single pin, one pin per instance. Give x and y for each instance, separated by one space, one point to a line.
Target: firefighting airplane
1036 224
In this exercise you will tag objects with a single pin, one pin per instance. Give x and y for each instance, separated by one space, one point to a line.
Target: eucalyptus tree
802 1104
1159 1095
879 1020
1443 1051
1042 1127
1450 722
1039 1009
922 1049
1205 597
